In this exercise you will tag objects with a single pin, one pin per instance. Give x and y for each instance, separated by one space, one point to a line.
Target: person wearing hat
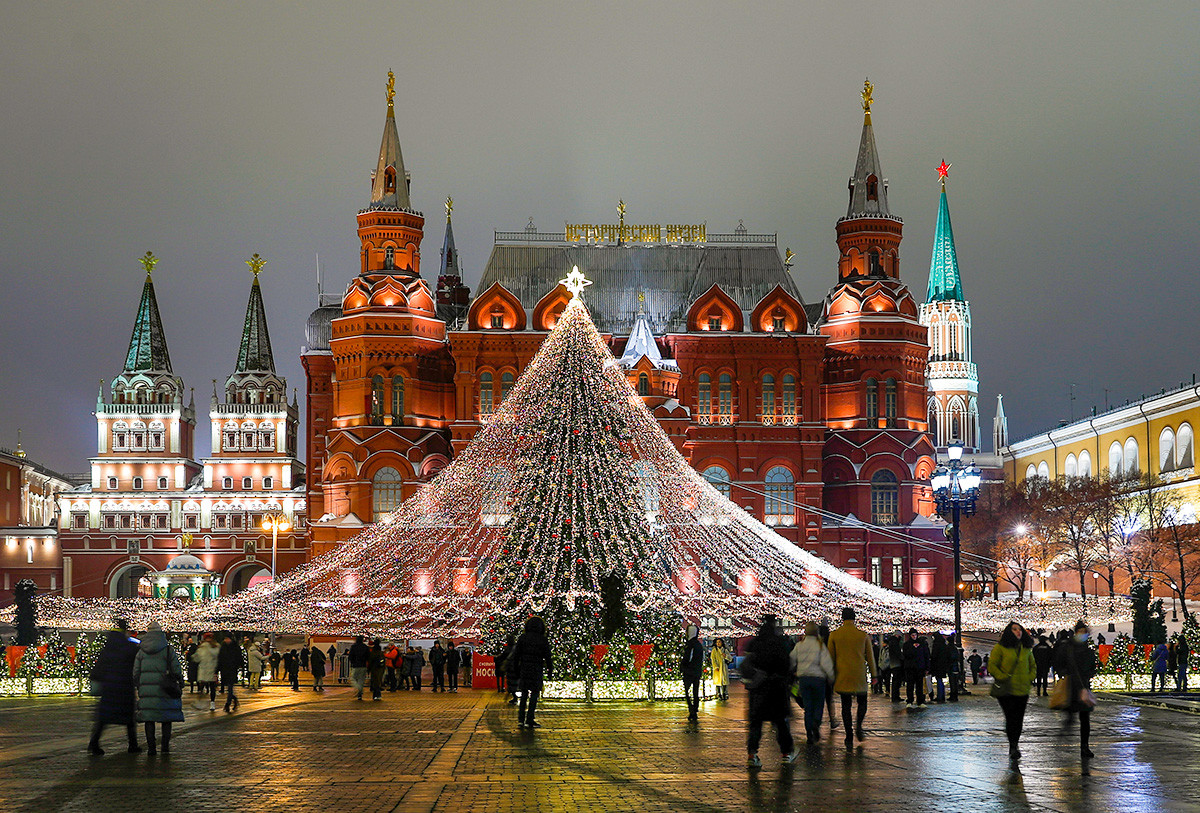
113 673
159 680
853 668
766 671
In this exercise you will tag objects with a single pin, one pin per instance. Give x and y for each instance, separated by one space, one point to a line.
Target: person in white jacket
205 658
256 660
813 668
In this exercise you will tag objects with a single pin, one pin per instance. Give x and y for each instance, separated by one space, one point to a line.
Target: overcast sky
209 131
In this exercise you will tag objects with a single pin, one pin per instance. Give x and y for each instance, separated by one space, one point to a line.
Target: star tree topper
575 282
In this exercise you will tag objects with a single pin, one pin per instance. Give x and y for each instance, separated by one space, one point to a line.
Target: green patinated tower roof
945 284
148 344
254 354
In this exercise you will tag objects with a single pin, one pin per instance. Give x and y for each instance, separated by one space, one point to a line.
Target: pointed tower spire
999 426
148 344
389 183
254 354
944 281
449 266
868 187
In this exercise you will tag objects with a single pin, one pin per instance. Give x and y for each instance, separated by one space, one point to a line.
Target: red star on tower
943 170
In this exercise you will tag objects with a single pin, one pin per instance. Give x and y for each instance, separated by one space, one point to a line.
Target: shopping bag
1060 695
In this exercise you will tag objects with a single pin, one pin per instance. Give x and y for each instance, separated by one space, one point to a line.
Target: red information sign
483 671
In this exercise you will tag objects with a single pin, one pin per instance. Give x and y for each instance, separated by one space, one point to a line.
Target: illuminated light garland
682 549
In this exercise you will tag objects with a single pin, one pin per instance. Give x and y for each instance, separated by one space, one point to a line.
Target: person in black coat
896 658
915 656
532 662
437 661
1042 653
229 663
691 666
939 666
453 662
193 669
1076 661
118 703
767 672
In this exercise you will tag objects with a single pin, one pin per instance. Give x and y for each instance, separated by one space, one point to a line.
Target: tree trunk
1083 587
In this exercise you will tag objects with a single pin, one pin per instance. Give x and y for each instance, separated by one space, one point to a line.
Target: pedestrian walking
854 668
766 670
823 631
976 664
159 682
256 661
112 677
205 658
1182 657
304 658
915 655
376 667
437 661
189 649
1042 654
331 659
391 658
813 668
691 668
229 663
896 657
532 662
1077 665
274 659
1158 667
316 661
416 667
453 662
358 660
719 660
939 666
1013 669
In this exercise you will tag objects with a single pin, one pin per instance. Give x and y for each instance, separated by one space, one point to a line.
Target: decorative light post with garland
956 489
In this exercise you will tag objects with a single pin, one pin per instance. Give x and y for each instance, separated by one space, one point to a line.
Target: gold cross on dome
575 282
256 263
148 262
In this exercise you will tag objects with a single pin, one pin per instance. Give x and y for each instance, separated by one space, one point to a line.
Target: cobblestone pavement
286 752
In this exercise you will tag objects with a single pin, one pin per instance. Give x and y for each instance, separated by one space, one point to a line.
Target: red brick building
810 415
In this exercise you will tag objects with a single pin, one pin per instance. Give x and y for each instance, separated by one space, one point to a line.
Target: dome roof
384 291
186 561
319 326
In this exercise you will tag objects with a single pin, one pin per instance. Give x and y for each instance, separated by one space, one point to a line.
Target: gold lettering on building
628 233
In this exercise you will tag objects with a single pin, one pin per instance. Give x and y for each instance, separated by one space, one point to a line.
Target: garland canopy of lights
570 483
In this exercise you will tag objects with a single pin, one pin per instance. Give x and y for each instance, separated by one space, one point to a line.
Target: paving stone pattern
286 752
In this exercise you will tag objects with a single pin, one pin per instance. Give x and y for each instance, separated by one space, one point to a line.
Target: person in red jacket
391 657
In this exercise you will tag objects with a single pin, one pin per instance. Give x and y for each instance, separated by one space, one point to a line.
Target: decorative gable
715 310
781 310
496 308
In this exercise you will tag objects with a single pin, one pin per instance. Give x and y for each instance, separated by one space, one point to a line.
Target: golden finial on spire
391 89
449 207
148 262
621 211
256 263
867 90
788 254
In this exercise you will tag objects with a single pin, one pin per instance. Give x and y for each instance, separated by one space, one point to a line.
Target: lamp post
275 522
956 489
1174 615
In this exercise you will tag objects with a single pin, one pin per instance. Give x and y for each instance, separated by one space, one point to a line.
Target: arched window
789 399
485 394
506 385
1085 464
889 401
389 180
397 400
377 399
768 399
872 400
389 258
933 422
885 498
385 492
266 437
1114 459
162 483
137 483
718 478
1129 460
705 397
725 396
120 435
872 187
1030 472
156 436
952 344
873 265
1166 450
643 384
1043 470
781 493
1183 447
1071 467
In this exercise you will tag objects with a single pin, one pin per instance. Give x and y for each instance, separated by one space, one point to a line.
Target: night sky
209 131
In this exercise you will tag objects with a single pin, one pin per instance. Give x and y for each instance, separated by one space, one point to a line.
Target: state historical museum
812 416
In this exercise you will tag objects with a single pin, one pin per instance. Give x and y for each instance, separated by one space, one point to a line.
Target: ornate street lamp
956 490
275 522
1174 615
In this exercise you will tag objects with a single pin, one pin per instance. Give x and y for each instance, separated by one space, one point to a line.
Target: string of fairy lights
570 480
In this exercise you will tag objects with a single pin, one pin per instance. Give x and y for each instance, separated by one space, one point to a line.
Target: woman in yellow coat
720 658
1011 664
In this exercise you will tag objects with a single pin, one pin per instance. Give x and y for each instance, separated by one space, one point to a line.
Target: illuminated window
385 491
781 492
789 398
872 400
377 400
643 384
777 324
497 320
705 395
485 394
725 394
885 498
389 180
506 385
397 399
876 570
897 572
714 323
768 399
718 478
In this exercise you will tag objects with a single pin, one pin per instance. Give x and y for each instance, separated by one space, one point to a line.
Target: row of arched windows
382 404
778 399
490 397
1175 452
247 437
1175 448
889 401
